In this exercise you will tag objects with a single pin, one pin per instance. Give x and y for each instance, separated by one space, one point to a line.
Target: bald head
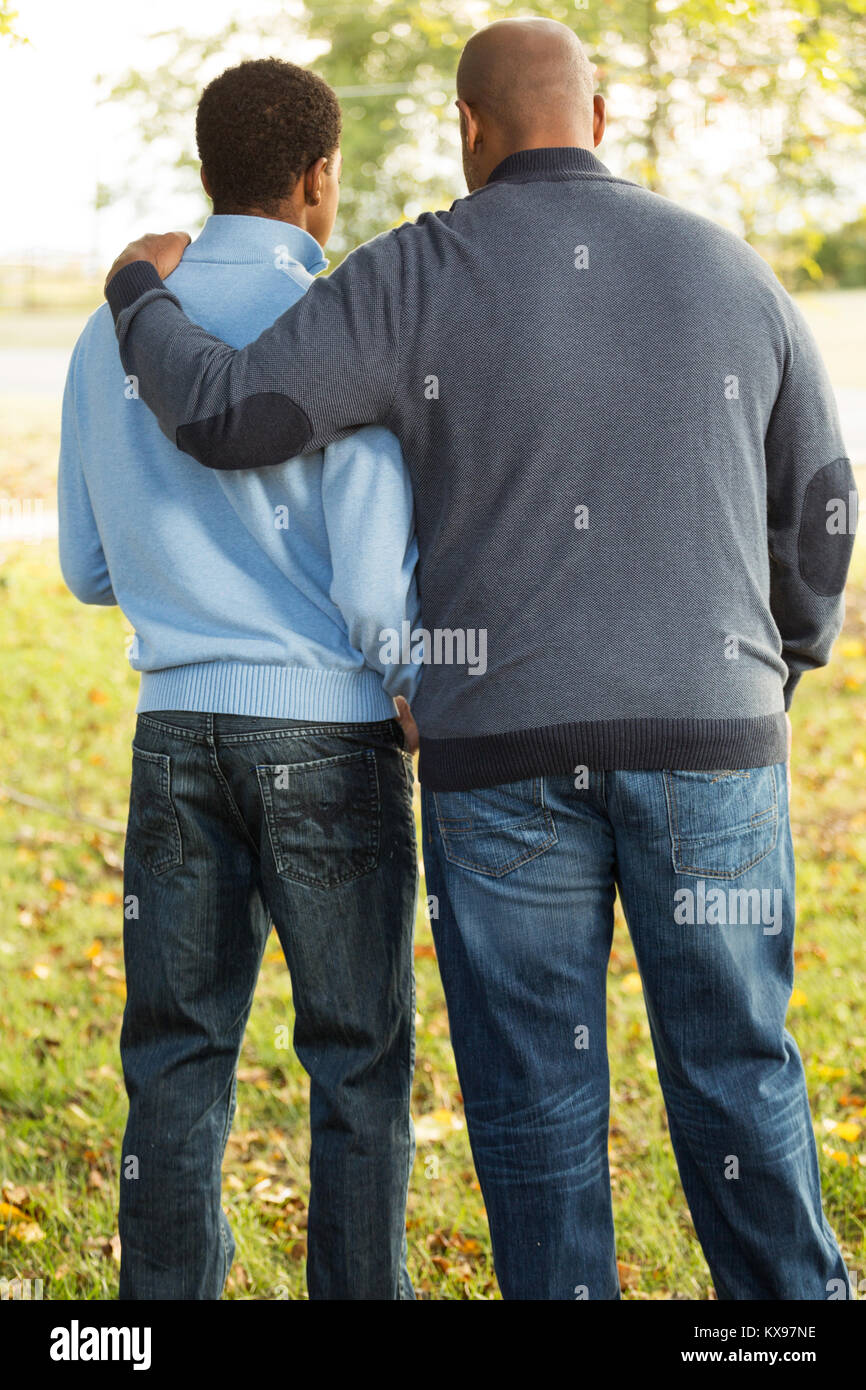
524 84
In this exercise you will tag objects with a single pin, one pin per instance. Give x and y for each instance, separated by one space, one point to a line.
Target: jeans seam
225 789
410 1135
254 735
408 783
338 731
194 735
223 1219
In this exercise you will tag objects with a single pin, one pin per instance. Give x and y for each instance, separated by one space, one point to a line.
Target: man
270 779
623 448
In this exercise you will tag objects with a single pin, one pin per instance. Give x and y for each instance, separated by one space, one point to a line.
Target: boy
270 779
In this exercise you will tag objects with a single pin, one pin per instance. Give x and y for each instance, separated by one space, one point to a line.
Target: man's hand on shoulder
163 249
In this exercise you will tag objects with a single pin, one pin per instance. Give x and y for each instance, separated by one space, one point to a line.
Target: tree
794 69
8 17
393 69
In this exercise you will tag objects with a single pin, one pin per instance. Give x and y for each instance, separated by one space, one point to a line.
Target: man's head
524 84
268 136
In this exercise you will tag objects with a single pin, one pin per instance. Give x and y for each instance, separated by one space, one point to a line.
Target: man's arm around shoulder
326 366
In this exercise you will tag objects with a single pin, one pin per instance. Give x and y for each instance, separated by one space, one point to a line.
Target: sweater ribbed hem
463 764
267 692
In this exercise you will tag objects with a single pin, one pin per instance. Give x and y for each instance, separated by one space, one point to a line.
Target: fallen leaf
78 1117
438 1125
27 1231
837 1155
13 1192
9 1212
253 1074
848 1131
629 1275
105 898
278 1197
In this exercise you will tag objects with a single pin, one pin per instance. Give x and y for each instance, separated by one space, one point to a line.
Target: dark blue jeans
235 822
523 878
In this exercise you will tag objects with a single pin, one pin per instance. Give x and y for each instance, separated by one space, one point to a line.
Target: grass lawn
66 722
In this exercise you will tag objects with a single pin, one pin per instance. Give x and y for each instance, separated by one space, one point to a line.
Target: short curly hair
258 127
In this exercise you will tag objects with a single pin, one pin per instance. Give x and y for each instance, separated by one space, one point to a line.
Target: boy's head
268 136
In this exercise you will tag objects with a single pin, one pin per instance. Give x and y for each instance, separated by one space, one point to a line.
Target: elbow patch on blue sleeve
259 431
827 526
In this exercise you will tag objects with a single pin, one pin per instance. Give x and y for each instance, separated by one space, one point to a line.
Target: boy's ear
205 184
313 182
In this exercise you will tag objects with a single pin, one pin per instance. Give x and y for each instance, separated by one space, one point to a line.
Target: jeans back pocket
495 829
323 817
153 832
721 822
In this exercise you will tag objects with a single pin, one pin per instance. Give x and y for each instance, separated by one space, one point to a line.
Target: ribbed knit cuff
129 284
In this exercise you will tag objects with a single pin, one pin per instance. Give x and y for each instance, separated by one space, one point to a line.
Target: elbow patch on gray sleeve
259 431
827 527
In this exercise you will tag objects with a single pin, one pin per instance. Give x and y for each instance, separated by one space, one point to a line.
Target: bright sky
58 142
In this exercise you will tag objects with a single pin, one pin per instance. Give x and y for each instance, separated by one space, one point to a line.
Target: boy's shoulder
96 343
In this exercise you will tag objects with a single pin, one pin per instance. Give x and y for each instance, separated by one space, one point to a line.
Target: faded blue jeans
523 878
235 822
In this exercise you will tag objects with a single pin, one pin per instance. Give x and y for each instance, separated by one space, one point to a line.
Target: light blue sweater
261 593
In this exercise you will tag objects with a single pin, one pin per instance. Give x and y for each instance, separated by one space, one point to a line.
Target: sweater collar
550 162
240 240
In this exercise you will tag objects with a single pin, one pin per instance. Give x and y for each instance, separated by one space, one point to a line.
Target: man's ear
470 128
205 183
599 120
313 182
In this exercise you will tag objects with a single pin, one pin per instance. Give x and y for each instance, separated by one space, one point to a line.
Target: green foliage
792 71
8 17
66 722
842 255
814 259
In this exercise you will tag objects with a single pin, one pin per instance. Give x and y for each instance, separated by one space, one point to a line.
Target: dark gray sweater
629 477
